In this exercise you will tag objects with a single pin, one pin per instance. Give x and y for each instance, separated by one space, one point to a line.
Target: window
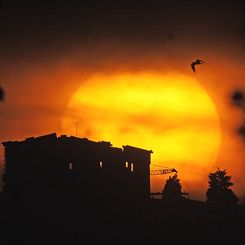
132 167
126 164
70 166
101 164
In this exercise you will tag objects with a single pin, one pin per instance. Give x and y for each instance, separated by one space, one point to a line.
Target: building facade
49 167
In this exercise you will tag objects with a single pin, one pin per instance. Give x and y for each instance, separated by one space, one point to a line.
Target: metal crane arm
163 171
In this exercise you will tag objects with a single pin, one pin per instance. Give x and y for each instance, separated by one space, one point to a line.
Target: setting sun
122 121
169 114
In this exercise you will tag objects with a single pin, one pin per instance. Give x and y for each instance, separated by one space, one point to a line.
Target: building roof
52 137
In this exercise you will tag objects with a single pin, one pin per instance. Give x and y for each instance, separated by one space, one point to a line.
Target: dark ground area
118 222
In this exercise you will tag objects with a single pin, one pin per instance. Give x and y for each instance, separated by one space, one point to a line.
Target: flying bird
1 94
196 62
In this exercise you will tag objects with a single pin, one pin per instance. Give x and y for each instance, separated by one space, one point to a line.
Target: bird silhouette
1 94
196 62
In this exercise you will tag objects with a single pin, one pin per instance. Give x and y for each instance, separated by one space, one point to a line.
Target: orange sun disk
170 114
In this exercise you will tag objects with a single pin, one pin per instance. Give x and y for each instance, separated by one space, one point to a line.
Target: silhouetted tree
219 191
172 189
1 94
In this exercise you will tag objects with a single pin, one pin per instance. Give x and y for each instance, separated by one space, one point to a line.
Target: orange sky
168 113
41 69
36 104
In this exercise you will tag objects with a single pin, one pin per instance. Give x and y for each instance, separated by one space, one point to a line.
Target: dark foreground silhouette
119 222
67 190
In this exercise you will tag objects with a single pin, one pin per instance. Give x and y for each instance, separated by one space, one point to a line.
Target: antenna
76 122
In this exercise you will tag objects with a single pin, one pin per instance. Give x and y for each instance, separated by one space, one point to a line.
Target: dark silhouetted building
49 167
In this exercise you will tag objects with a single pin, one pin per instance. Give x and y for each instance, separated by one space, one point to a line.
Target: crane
164 170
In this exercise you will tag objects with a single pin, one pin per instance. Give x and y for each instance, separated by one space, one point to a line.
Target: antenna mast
76 127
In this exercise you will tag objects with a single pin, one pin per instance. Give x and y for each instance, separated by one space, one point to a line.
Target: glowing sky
54 58
170 114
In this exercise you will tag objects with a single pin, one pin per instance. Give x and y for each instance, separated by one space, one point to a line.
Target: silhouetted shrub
172 189
219 191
